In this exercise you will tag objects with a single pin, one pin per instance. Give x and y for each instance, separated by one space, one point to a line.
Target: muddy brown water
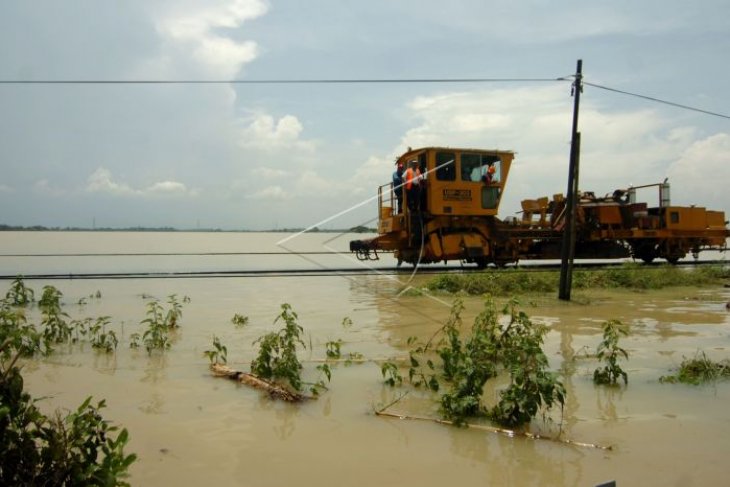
189 428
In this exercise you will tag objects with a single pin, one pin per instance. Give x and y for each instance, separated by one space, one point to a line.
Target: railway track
528 266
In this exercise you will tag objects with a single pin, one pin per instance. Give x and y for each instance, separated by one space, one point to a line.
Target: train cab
437 212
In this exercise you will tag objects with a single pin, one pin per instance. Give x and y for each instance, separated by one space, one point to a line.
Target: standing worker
398 187
413 185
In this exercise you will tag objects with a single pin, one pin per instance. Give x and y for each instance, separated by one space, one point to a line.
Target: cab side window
470 164
480 167
445 166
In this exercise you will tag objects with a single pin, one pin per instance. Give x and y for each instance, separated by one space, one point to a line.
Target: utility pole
568 247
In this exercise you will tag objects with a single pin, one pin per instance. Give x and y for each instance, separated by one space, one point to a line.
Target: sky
265 156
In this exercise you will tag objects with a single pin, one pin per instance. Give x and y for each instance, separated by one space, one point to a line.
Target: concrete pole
568 247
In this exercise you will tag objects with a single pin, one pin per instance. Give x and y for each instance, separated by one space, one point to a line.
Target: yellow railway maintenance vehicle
449 212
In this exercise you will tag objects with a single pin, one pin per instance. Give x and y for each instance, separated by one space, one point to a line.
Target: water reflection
567 371
520 461
606 399
153 405
105 363
156 369
285 414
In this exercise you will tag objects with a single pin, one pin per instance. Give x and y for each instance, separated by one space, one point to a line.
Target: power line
658 100
343 81
273 81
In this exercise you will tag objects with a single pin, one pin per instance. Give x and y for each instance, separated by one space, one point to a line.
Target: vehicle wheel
673 260
648 259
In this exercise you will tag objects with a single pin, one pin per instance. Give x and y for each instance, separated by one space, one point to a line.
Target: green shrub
466 363
609 352
77 449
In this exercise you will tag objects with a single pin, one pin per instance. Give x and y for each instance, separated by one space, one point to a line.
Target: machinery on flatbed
449 212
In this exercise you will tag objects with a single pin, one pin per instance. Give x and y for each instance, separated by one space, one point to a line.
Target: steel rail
354 271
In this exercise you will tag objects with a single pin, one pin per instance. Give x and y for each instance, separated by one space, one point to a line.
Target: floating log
274 390
502 431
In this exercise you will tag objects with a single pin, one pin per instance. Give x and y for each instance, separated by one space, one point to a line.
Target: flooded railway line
525 266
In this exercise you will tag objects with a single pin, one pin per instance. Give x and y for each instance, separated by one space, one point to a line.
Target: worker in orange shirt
413 181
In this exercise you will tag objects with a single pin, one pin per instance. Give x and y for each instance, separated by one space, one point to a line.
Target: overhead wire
294 81
657 100
273 81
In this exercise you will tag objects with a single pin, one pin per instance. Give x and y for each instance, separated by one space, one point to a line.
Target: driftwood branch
274 390
502 431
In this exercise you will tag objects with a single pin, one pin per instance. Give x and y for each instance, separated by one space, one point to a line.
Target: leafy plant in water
466 364
55 327
609 352
78 449
174 313
353 357
532 386
155 336
239 320
19 294
391 374
159 323
19 335
277 357
333 349
219 354
100 338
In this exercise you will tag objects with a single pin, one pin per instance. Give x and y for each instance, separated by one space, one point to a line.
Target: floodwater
189 428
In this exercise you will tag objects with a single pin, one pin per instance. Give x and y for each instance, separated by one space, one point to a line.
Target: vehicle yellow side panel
609 215
683 218
715 219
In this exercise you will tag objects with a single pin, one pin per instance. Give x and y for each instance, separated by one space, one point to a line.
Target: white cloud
224 55
6 189
700 175
101 181
44 187
262 131
195 27
268 173
271 193
167 187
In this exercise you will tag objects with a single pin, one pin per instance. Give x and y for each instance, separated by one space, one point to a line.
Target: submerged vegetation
160 323
501 352
277 356
512 282
699 370
609 352
460 364
277 368
78 448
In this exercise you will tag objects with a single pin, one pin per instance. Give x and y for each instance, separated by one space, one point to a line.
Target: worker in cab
483 173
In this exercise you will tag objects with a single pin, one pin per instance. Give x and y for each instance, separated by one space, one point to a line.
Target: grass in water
628 276
699 370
